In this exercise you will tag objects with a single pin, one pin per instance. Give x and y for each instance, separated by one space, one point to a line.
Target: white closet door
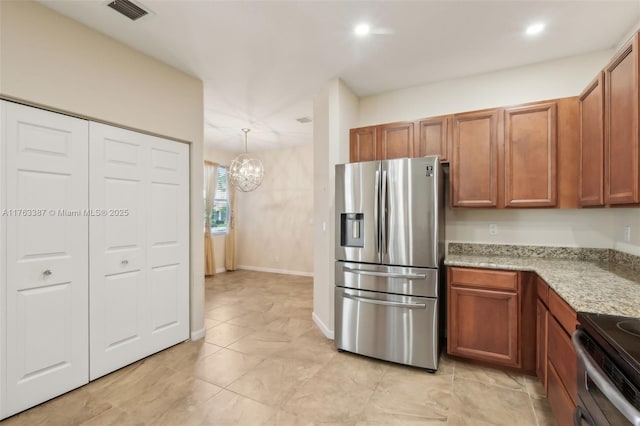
139 250
45 289
168 243
118 201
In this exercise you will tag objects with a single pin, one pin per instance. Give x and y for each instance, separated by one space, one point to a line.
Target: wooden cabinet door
432 137
563 357
483 325
621 127
395 141
592 143
363 144
474 162
561 404
542 321
530 143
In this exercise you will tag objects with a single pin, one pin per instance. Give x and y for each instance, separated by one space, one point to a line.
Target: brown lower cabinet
542 324
556 361
513 319
488 319
559 399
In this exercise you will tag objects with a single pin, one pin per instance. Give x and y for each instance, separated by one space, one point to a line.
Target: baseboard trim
322 326
198 334
275 271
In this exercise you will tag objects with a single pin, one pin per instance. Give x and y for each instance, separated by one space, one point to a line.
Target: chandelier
245 173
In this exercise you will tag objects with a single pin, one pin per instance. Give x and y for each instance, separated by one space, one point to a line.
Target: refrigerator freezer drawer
388 279
394 328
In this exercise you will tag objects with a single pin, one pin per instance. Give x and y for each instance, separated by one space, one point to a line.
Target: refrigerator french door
389 247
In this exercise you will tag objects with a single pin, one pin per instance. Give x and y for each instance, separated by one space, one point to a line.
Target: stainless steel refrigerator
389 250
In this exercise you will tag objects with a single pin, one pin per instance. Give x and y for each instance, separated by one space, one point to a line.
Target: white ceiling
262 62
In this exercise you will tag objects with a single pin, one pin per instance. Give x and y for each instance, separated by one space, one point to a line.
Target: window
220 210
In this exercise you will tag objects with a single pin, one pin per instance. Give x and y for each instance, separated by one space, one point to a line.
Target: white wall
49 60
223 158
555 79
547 80
622 217
274 223
335 111
558 227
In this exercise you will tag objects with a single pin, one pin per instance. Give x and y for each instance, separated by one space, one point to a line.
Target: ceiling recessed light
535 29
362 29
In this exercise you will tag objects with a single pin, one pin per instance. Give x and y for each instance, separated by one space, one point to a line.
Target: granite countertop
594 281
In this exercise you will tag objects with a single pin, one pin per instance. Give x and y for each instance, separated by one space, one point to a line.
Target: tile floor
264 362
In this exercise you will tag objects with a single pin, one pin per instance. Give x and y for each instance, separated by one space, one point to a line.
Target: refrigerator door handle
385 302
385 274
383 223
375 212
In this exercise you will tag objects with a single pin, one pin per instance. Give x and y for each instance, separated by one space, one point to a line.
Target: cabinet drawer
562 311
484 279
561 404
563 357
542 289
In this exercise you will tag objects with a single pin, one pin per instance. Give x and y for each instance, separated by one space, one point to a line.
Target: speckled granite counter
593 280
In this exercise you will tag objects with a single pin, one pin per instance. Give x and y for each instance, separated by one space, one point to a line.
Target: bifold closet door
44 325
139 283
168 243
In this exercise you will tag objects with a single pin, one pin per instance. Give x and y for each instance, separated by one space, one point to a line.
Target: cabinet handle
47 273
124 262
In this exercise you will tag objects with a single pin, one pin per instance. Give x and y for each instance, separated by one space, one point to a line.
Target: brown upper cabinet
592 143
530 141
621 150
521 156
474 159
395 140
432 137
362 144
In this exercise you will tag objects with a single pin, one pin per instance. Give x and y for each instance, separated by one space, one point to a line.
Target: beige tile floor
264 362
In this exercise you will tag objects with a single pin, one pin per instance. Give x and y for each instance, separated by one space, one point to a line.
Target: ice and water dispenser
352 230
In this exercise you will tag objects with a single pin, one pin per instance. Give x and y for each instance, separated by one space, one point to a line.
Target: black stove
608 349
619 337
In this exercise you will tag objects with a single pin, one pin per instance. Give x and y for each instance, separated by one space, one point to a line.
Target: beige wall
224 158
50 60
274 223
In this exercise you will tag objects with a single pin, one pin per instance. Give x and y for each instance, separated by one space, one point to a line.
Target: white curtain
210 178
230 239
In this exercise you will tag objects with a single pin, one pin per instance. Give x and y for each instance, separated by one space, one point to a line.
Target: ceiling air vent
303 120
128 9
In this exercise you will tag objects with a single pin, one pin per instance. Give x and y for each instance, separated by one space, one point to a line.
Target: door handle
375 211
384 244
385 274
385 302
